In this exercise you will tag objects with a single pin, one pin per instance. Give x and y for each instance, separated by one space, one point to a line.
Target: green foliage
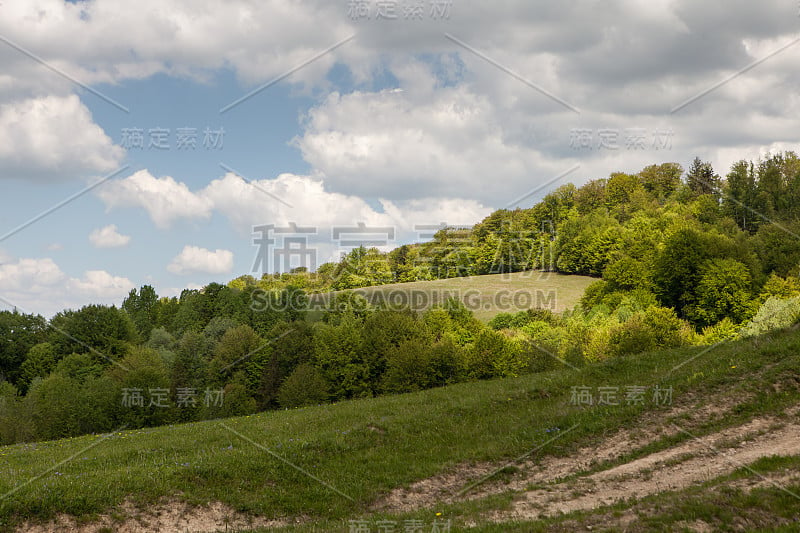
40 361
775 313
143 372
779 248
79 366
339 357
305 386
345 303
240 349
723 291
724 330
586 244
293 345
653 328
105 333
190 366
55 403
661 180
142 307
19 333
493 355
407 367
217 327
385 330
160 339
627 274
701 178
677 267
779 287
362 267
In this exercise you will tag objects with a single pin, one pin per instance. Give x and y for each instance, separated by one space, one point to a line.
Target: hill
485 295
605 444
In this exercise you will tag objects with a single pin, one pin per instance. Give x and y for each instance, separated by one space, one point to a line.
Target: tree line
681 258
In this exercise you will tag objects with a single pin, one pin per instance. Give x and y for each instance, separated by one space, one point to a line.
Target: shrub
723 291
775 313
492 355
779 287
633 336
408 367
447 363
40 361
723 330
305 386
55 403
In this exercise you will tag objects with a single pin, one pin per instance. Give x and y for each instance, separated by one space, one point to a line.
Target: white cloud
40 286
53 138
108 237
194 259
460 122
163 198
394 144
101 285
287 199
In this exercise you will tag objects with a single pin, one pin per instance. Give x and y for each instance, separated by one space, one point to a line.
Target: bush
408 367
447 363
55 403
305 386
633 336
779 287
724 330
774 314
492 355
40 361
723 291
543 346
235 401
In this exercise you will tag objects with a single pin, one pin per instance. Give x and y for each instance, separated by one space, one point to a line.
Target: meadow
329 464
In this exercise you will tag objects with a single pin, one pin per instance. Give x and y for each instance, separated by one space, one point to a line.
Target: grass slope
485 295
354 452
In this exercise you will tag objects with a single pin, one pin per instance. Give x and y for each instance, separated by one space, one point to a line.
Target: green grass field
486 295
331 463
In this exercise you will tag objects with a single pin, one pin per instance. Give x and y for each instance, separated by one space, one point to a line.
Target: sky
178 143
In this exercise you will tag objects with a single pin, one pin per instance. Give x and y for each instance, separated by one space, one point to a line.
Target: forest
681 258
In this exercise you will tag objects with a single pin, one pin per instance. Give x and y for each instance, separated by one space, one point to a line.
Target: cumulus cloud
289 198
39 285
53 138
388 144
108 237
164 199
459 121
194 259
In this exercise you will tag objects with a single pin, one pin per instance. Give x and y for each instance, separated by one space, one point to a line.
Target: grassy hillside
329 464
485 295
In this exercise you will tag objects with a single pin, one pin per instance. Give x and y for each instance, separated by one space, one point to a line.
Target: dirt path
693 461
653 426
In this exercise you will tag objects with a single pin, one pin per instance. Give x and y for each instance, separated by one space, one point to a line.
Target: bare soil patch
168 517
652 427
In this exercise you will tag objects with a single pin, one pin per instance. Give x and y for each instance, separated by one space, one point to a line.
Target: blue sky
436 115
